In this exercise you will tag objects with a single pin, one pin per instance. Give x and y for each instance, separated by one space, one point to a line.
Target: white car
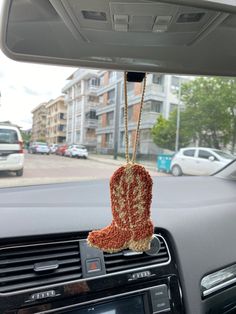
39 148
11 150
77 151
53 148
199 161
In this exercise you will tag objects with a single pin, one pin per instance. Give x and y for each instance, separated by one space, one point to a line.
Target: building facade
56 121
81 100
39 123
161 97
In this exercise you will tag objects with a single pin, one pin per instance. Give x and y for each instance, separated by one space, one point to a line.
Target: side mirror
211 158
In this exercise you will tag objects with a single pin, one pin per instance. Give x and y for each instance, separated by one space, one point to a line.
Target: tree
164 132
207 110
209 117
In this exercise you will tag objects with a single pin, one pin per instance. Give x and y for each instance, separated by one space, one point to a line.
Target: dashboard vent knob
155 246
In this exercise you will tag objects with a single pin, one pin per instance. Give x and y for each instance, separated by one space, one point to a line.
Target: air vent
126 260
29 266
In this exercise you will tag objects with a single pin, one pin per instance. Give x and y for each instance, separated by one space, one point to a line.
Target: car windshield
8 136
72 123
224 154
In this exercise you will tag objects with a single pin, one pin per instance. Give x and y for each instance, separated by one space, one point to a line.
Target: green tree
207 104
164 132
209 118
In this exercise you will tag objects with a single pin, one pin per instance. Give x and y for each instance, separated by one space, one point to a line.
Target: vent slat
31 266
36 250
132 259
35 276
123 260
135 265
17 265
38 283
37 258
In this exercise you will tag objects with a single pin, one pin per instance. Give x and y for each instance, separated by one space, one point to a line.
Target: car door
188 161
204 165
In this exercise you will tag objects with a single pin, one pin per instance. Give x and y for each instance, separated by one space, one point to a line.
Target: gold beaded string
126 120
135 146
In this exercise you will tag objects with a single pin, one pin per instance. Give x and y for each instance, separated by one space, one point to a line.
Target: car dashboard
46 265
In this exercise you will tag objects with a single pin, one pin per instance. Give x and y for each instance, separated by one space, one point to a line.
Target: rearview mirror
211 158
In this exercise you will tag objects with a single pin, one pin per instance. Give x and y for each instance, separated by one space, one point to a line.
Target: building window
111 97
158 79
153 106
61 128
93 98
111 76
130 114
91 115
109 139
99 139
175 82
94 82
145 135
110 118
122 139
62 116
100 121
130 88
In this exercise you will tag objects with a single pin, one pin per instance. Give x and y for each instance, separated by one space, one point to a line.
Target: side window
205 154
189 152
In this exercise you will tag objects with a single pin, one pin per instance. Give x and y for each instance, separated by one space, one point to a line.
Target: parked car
199 161
11 150
39 148
78 151
53 148
61 149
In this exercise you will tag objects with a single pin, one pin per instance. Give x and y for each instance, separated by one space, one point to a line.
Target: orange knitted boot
131 227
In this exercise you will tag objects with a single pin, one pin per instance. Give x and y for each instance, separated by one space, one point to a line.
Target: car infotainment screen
132 305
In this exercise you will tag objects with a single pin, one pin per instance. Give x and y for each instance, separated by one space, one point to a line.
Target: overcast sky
23 86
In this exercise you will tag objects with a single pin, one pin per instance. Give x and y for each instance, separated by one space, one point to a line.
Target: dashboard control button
93 265
159 292
160 305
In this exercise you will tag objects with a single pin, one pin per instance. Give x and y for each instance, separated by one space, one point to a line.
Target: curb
117 162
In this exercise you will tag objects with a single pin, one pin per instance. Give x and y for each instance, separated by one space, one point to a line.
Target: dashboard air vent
125 260
23 267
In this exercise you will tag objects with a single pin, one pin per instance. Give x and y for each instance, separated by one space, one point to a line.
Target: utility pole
117 115
178 118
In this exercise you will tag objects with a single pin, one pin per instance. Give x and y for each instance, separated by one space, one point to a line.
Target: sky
24 86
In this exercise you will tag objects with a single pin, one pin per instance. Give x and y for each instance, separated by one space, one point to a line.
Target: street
44 169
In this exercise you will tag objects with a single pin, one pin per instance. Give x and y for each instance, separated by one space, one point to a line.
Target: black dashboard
194 220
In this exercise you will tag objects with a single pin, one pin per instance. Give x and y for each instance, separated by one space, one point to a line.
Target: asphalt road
43 169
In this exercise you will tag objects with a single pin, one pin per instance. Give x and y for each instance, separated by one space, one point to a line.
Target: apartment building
39 123
56 121
81 101
161 97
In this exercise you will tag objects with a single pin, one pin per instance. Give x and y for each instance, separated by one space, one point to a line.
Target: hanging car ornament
131 197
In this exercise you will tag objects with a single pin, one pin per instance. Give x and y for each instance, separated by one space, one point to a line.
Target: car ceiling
155 36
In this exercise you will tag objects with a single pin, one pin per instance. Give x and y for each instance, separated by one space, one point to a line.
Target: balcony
92 89
154 89
91 123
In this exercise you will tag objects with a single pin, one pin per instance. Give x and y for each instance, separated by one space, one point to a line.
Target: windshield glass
223 154
8 136
72 123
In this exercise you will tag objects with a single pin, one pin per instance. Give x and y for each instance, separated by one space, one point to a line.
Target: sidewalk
108 159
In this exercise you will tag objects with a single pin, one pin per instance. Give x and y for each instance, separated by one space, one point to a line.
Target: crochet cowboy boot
131 227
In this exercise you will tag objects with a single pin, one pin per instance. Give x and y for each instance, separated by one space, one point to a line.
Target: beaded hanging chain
131 196
135 145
